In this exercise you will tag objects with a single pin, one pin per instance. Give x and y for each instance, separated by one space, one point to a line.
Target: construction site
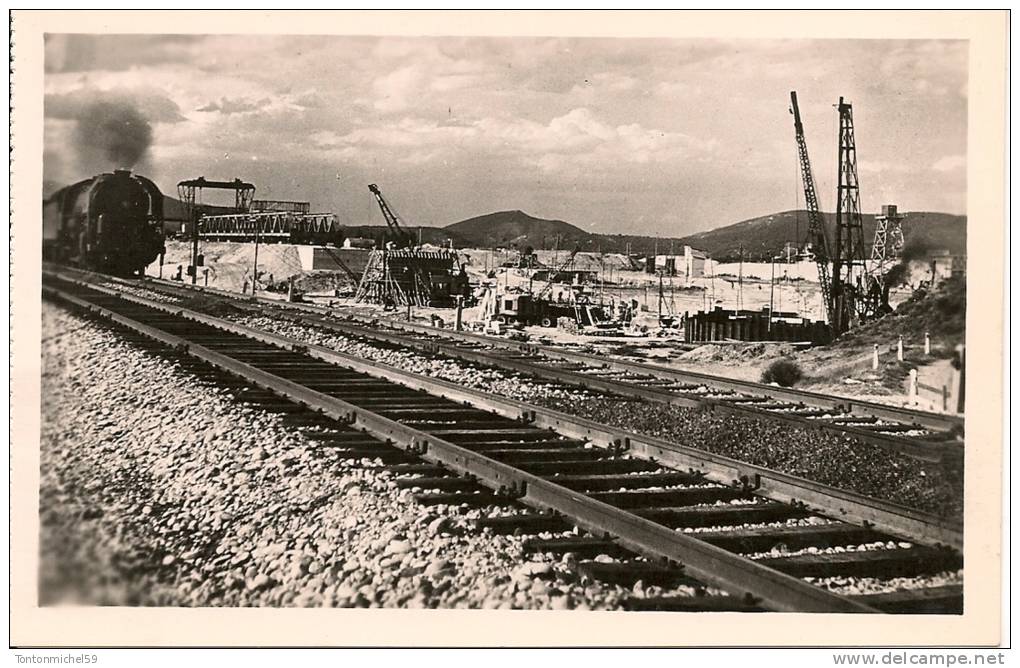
665 305
511 324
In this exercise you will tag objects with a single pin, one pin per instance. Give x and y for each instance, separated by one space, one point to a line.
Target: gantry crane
400 237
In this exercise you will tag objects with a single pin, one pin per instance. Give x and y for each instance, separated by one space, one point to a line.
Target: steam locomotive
111 223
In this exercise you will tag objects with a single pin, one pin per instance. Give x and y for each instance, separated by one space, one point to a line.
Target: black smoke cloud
112 133
916 248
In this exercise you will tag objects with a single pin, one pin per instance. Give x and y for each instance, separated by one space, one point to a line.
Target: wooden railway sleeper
746 485
516 489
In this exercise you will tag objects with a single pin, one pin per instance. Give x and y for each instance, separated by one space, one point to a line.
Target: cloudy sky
643 136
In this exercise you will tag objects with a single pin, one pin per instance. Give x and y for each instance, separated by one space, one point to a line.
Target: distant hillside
173 209
516 228
759 237
437 236
521 230
766 235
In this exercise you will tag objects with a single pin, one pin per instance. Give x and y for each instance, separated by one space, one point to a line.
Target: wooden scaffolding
398 277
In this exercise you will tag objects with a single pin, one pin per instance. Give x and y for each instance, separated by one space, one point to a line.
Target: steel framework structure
854 294
190 192
888 237
399 236
270 225
816 222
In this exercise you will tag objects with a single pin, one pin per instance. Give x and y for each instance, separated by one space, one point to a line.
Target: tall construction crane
858 295
400 237
816 222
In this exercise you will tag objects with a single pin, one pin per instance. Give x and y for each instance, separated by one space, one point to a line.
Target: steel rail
928 420
934 421
737 575
837 503
918 449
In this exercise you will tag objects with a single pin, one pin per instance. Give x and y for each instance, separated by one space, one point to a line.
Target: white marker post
913 386
874 358
899 349
927 343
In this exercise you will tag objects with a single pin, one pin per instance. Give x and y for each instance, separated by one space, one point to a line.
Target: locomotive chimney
122 172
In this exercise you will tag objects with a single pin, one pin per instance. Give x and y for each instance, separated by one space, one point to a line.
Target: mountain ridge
753 238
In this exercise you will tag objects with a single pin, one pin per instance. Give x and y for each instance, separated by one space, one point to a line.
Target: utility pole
772 292
193 216
740 280
602 276
660 298
255 269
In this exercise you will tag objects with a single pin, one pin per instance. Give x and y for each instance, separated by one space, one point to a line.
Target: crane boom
816 223
399 235
552 275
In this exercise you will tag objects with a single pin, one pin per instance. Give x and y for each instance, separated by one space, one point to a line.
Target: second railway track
545 460
918 434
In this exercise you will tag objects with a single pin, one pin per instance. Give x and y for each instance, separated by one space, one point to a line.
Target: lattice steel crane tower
816 223
857 296
888 245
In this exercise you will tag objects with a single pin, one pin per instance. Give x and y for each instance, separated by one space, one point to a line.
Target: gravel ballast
826 457
158 488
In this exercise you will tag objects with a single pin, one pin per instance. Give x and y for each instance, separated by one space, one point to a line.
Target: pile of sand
231 264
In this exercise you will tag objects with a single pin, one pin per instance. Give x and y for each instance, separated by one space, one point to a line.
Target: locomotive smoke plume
916 248
112 133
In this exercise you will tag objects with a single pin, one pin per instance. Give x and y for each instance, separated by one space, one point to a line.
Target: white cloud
575 140
396 90
881 167
677 125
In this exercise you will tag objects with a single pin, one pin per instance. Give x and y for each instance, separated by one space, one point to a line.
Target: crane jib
816 223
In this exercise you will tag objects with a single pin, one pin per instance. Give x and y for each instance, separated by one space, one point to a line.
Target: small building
945 265
359 242
692 263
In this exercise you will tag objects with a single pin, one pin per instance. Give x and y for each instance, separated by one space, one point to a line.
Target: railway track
918 434
673 511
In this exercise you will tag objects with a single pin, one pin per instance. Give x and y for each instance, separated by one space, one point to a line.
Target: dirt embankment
845 367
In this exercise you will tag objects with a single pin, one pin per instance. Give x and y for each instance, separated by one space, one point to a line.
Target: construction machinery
887 250
525 309
850 292
858 294
547 288
402 275
190 192
888 236
397 236
816 222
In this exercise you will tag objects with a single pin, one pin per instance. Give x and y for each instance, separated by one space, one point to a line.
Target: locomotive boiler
111 223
